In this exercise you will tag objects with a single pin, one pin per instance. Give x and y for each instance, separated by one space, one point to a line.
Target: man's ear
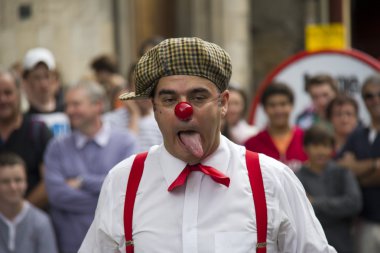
154 105
101 106
223 102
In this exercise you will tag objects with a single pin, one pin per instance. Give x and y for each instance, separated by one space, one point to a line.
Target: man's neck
340 140
279 130
375 123
8 126
315 167
92 129
43 106
321 115
11 211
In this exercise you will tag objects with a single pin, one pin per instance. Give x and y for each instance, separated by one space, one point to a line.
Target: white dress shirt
204 216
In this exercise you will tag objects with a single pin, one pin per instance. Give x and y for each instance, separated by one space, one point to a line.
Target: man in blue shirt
361 155
77 164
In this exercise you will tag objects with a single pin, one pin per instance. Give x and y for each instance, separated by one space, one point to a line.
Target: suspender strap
257 185
130 196
255 179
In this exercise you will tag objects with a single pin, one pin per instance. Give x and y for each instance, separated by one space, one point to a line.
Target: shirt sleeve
350 145
346 205
45 237
45 136
59 193
92 183
106 233
299 229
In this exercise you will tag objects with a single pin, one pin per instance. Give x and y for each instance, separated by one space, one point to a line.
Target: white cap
37 55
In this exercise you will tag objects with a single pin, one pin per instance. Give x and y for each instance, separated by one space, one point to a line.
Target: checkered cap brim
180 56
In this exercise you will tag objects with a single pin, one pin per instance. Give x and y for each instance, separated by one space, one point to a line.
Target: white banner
349 67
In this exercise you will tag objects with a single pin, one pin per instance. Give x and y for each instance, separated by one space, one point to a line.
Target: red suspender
255 179
257 185
130 196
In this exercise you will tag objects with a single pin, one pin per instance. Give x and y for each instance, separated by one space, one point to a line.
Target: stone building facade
257 34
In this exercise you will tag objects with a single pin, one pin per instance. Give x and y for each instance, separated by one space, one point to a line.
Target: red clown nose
183 110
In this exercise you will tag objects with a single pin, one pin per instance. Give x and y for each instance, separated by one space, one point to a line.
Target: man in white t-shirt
195 193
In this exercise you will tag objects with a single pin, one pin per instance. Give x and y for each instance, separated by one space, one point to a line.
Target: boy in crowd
322 89
41 84
279 140
23 227
333 192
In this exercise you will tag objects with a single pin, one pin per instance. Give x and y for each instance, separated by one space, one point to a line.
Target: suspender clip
129 243
260 245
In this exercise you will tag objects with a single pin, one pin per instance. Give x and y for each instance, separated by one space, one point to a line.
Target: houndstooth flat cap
180 56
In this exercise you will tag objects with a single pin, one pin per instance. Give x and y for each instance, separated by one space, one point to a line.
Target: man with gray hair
361 155
198 191
76 164
23 135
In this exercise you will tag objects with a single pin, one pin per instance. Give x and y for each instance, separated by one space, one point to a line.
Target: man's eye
198 99
5 181
18 180
168 101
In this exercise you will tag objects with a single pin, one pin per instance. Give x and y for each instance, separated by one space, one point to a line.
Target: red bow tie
213 173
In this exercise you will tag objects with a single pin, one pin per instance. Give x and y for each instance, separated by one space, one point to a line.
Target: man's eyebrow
172 92
166 92
199 90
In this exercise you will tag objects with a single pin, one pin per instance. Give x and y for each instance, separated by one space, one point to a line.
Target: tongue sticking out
192 141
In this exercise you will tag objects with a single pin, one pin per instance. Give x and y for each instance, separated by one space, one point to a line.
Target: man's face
12 184
41 83
321 95
82 112
202 128
319 154
9 98
344 119
103 77
235 108
278 108
371 96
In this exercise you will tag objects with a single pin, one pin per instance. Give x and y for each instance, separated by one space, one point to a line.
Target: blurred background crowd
63 65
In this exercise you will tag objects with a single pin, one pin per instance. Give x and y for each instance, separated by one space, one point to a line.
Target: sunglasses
371 96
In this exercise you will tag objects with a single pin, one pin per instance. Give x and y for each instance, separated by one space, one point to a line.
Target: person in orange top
279 139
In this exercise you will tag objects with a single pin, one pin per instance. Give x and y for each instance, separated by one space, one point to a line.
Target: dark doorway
366 26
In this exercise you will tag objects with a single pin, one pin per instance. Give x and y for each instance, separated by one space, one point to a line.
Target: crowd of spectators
56 152
338 154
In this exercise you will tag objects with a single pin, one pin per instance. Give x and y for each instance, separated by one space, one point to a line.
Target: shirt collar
173 166
101 137
19 217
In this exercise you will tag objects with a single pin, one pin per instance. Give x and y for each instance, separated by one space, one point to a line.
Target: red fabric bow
210 171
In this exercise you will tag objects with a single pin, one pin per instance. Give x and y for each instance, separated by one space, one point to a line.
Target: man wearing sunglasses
361 155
